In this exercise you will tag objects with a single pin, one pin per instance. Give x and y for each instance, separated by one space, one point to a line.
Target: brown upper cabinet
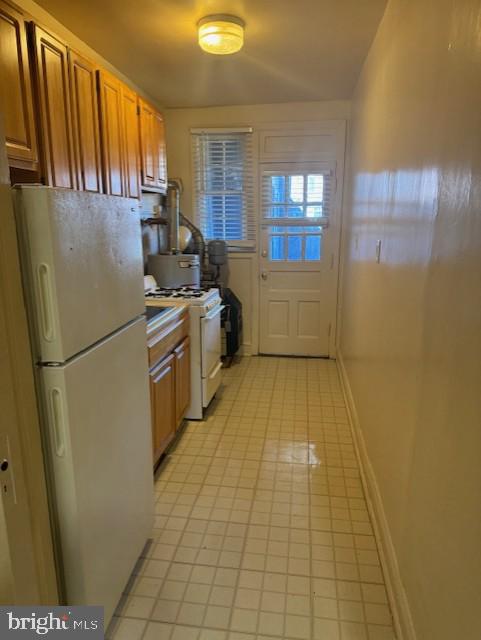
16 103
85 122
130 134
55 126
119 130
152 147
110 101
68 123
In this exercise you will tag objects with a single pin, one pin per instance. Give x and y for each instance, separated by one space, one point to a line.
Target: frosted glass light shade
221 35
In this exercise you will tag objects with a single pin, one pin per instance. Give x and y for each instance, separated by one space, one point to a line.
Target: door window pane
313 248
295 196
289 243
278 188
295 188
294 247
314 211
276 248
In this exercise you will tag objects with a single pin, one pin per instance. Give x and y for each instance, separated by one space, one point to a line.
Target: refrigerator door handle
57 414
46 302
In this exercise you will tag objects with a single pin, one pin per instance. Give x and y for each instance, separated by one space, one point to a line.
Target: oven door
210 340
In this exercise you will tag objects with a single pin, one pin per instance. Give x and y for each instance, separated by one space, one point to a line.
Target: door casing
24 494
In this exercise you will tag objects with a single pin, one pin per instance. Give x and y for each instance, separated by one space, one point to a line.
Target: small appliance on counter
205 309
174 270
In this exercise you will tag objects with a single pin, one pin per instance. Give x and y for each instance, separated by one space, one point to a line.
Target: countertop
158 322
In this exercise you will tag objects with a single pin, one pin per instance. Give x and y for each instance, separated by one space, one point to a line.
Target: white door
298 253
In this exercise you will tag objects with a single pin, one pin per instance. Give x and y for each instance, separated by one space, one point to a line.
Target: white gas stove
205 337
203 297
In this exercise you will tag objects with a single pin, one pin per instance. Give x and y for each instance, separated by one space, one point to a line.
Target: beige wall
243 268
411 335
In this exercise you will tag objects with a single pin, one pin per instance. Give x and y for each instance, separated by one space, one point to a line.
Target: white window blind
223 186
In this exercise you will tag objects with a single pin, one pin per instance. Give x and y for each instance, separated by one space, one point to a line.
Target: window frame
248 216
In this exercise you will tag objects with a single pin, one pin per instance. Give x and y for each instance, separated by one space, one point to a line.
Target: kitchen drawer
167 338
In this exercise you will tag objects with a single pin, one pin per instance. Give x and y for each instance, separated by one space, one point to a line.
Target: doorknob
264 275
4 465
264 254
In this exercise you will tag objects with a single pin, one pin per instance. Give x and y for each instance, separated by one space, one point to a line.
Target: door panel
296 275
16 103
97 409
110 94
130 124
160 155
162 389
58 163
105 267
152 143
147 143
85 122
211 340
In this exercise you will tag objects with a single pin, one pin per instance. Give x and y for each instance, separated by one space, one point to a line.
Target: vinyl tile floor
261 526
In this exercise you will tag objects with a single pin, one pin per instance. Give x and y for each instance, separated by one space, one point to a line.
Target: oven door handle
216 370
215 311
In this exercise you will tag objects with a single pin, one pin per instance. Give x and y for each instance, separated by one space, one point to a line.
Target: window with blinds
296 205
223 184
296 196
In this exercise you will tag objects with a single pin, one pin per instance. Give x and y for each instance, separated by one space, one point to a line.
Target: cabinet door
16 103
85 116
110 102
182 380
58 165
130 124
148 160
160 155
162 392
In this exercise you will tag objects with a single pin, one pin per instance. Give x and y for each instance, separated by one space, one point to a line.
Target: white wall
411 336
243 267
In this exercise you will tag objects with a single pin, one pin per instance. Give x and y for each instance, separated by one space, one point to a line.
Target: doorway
298 258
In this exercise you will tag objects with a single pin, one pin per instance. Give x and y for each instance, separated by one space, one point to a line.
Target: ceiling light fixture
221 34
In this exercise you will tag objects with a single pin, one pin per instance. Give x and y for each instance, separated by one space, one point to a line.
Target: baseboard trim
402 619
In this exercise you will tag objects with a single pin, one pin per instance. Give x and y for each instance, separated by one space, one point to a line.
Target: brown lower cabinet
169 361
162 400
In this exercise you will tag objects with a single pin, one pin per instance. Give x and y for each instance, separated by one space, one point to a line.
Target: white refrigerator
83 279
